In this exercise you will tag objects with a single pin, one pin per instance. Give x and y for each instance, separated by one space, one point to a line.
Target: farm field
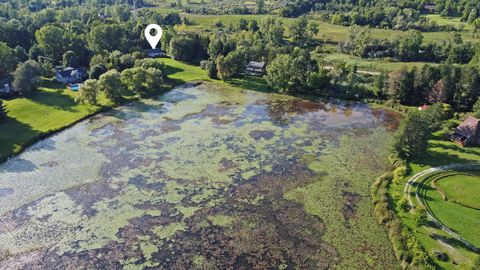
270 183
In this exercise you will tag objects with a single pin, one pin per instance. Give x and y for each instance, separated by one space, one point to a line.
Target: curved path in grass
414 180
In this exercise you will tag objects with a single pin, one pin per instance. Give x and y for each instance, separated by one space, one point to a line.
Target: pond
202 177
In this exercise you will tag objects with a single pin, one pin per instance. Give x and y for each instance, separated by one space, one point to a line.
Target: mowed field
457 211
440 152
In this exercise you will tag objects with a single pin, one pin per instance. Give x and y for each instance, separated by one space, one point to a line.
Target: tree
97 70
476 108
50 38
183 48
357 40
409 45
420 217
230 65
141 81
107 37
27 77
273 31
298 29
111 84
435 115
381 85
87 94
302 31
413 134
70 59
289 72
7 60
401 84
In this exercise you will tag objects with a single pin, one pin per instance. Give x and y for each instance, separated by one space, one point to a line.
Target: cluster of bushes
146 78
407 248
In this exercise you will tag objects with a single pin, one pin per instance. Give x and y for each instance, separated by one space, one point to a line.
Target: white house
70 75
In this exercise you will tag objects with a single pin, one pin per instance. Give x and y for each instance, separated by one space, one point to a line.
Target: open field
453 212
440 152
455 21
329 33
463 189
381 65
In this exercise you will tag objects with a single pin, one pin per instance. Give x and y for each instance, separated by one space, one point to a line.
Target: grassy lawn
440 152
182 72
463 220
463 189
52 108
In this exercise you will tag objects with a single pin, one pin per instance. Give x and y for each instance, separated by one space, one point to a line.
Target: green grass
440 152
182 72
463 220
381 65
462 188
52 108
329 33
454 21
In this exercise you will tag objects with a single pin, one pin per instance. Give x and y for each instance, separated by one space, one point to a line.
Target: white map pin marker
153 40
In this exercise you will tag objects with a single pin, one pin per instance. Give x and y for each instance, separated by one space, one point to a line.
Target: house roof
69 71
154 51
256 64
469 127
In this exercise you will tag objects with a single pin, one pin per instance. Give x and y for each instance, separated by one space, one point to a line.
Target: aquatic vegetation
201 177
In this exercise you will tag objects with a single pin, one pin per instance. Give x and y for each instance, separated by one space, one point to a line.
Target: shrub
87 94
27 77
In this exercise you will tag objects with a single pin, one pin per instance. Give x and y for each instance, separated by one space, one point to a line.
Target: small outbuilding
468 132
255 68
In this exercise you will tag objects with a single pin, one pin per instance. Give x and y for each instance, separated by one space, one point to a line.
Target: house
152 53
255 68
468 132
71 75
6 89
429 8
423 107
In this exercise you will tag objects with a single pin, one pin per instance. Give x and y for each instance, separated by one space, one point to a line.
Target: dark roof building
255 68
468 132
70 75
152 53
